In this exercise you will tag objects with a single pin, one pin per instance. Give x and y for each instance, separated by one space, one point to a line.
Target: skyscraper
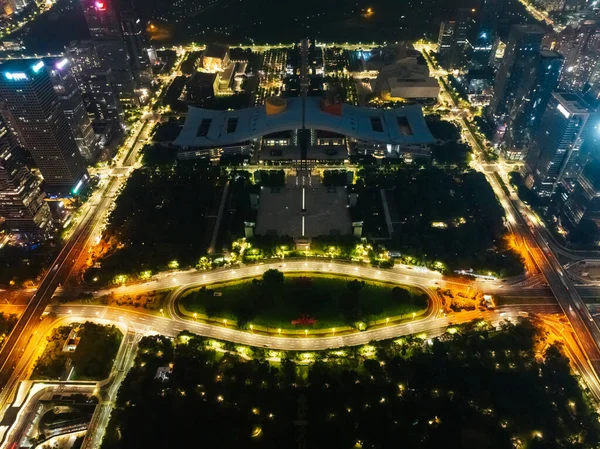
33 113
532 95
489 11
584 201
524 42
95 83
580 47
22 205
73 107
486 40
453 42
446 39
553 153
134 41
105 31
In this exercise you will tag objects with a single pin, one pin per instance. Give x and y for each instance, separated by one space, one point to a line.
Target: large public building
273 133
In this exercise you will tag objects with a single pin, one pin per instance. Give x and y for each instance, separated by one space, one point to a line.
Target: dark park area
477 387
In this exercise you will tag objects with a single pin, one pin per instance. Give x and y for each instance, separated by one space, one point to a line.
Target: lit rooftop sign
38 66
563 111
100 5
15 76
61 64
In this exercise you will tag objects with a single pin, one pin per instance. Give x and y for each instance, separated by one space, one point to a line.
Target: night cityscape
248 224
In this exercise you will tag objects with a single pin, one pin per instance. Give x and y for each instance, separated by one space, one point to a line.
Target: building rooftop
211 128
202 78
530 28
550 54
216 51
21 65
573 103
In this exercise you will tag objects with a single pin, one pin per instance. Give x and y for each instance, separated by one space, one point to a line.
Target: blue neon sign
15 76
38 66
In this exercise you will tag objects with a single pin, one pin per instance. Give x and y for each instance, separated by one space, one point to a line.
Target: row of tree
479 387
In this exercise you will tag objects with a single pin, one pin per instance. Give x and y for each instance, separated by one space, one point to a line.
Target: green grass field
317 297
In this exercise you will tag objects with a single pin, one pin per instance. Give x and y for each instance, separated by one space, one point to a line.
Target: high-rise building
105 31
33 113
489 11
65 86
553 153
95 83
524 42
584 201
580 46
484 50
133 34
532 95
22 206
446 39
486 40
453 42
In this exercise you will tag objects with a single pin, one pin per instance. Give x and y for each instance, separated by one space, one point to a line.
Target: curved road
399 274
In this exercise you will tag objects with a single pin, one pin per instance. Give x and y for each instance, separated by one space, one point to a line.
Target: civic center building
271 133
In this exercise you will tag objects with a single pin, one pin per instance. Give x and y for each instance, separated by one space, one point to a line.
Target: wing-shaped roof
210 128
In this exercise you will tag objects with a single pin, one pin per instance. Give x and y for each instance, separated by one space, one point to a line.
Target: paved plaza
280 210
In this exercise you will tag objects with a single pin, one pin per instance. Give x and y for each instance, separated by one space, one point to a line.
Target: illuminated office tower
553 153
96 85
453 41
65 86
133 34
486 40
22 207
105 31
446 39
584 202
524 42
531 98
33 113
